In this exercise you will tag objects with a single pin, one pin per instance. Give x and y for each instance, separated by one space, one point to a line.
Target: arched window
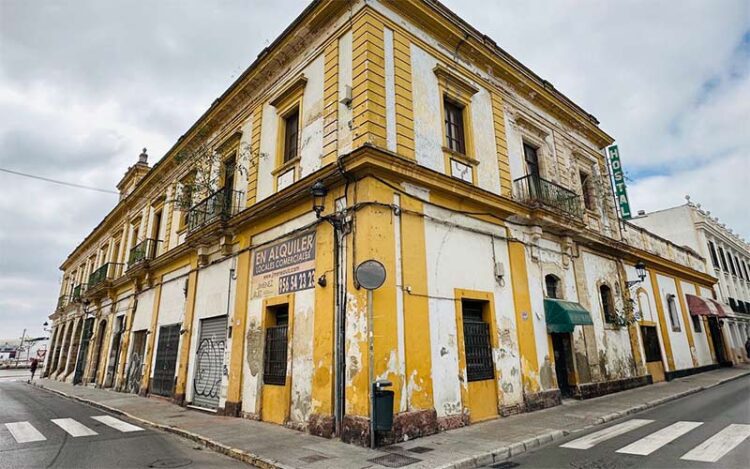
644 305
674 318
552 286
608 306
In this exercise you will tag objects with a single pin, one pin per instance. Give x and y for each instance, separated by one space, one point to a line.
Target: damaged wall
463 259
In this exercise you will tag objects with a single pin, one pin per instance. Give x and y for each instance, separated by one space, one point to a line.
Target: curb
496 455
235 453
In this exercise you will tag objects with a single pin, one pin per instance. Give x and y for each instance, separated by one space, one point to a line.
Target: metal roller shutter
209 362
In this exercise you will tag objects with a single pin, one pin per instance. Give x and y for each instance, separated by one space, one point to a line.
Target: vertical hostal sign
618 175
285 266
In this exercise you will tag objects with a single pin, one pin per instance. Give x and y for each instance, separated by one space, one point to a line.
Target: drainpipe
340 327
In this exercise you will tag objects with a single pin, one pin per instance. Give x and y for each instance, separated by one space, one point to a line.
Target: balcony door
531 157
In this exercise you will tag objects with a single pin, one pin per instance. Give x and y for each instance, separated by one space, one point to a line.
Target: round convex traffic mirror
370 274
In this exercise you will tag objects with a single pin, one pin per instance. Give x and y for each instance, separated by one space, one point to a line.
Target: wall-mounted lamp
318 192
322 280
640 271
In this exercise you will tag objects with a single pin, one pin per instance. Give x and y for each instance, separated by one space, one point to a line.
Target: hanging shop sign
621 193
284 267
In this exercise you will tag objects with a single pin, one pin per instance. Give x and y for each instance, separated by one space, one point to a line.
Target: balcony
536 191
78 292
222 204
62 302
144 251
106 272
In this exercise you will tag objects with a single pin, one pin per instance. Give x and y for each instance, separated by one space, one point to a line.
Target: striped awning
705 306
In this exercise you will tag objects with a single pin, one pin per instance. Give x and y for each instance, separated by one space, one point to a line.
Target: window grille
607 304
479 364
275 357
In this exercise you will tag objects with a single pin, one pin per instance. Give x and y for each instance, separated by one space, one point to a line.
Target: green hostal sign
618 175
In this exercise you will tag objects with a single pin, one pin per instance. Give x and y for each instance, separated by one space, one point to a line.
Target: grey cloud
85 85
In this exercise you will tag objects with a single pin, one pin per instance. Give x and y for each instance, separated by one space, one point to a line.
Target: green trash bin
383 410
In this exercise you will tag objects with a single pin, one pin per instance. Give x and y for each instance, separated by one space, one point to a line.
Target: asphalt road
710 429
30 438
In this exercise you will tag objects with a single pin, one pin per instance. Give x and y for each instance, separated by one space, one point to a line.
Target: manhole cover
173 462
420 449
394 460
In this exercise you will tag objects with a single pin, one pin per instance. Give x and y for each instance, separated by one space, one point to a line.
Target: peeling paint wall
311 138
311 132
301 369
428 125
462 259
302 352
344 135
615 358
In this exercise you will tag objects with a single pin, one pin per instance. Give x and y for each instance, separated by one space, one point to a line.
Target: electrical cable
56 181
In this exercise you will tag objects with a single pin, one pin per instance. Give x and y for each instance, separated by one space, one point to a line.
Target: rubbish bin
382 407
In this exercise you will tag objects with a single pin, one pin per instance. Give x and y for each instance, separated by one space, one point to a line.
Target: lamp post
640 270
337 220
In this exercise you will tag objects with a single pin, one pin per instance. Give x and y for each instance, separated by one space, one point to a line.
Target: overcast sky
85 85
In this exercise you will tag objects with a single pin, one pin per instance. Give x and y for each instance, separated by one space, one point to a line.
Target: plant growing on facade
208 168
626 316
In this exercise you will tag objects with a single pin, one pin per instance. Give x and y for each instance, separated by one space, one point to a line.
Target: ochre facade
483 192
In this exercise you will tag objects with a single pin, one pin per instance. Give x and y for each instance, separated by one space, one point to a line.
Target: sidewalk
268 445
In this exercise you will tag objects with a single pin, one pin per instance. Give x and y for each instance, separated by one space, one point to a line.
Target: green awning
563 316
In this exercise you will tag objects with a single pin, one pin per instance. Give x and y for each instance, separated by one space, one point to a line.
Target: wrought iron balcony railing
78 292
222 204
146 250
108 271
62 302
538 191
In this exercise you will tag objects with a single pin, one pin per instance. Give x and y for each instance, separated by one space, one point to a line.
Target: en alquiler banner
285 266
618 175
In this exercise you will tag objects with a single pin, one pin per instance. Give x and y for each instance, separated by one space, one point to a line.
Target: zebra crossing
710 450
26 432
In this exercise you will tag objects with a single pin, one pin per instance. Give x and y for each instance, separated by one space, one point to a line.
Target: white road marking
720 444
73 427
593 439
656 440
24 432
117 424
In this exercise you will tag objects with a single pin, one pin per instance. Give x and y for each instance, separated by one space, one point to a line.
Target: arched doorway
97 357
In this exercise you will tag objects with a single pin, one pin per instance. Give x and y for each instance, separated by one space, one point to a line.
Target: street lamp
319 192
640 270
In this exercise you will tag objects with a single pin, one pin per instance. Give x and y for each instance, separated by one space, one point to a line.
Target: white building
726 254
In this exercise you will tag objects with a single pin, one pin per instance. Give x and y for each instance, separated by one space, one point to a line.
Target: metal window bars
274 366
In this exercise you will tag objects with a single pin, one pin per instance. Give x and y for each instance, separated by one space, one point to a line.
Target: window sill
286 166
460 156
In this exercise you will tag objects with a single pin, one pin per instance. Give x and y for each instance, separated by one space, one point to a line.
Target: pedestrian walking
34 365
